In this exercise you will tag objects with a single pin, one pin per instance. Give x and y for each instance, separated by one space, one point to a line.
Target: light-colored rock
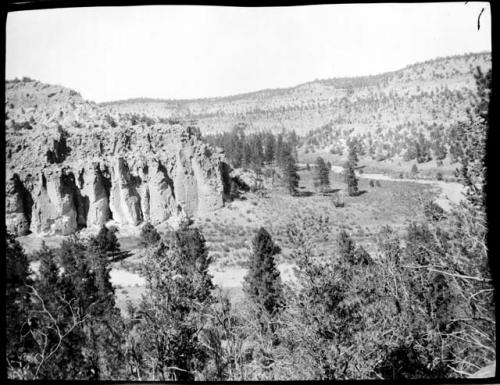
95 195
15 218
161 202
90 166
54 210
125 202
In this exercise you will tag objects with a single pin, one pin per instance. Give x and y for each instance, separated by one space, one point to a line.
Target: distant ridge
336 81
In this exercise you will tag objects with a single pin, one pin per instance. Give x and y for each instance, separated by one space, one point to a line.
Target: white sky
111 53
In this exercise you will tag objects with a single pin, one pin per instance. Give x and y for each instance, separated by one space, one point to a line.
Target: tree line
254 150
414 306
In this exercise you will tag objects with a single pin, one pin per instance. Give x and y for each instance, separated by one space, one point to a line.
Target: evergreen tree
278 155
149 234
17 304
60 305
270 148
349 171
290 171
247 155
347 247
263 282
86 280
176 306
470 142
423 149
257 151
322 175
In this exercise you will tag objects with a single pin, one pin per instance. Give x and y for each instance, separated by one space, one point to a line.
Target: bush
433 211
149 234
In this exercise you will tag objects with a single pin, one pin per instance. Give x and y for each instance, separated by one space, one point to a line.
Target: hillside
435 91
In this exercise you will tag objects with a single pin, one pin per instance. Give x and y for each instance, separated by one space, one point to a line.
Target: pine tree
17 304
247 155
278 155
55 323
257 151
86 280
470 142
263 282
290 172
349 171
322 175
101 249
175 309
269 148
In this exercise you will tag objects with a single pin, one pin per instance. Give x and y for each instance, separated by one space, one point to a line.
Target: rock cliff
70 166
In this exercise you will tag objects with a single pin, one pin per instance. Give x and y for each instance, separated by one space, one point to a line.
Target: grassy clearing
393 167
229 231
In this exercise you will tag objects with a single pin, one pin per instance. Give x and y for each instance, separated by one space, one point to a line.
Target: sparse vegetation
390 286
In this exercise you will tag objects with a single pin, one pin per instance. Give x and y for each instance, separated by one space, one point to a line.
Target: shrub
433 211
149 234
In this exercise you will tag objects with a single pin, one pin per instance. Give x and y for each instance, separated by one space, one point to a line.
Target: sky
178 52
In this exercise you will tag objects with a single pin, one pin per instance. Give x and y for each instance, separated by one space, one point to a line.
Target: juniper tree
470 142
63 298
149 234
174 311
17 304
263 282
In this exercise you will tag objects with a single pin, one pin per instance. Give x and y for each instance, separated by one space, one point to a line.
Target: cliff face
63 175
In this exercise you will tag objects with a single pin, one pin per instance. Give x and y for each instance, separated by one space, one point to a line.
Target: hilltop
436 90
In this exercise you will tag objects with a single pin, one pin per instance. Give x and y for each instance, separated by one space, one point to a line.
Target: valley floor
229 231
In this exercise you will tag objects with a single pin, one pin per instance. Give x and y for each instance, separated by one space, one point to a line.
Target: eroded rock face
55 208
159 200
76 166
125 202
95 194
15 211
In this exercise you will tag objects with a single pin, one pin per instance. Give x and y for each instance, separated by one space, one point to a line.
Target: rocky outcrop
158 197
125 202
82 167
55 209
95 193
16 208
